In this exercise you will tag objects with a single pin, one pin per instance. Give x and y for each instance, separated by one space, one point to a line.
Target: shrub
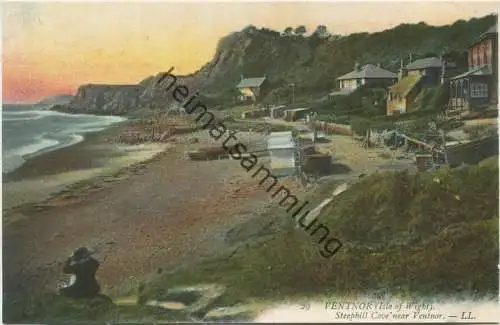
360 125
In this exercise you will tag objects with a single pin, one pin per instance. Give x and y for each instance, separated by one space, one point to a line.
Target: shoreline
50 139
63 171
29 168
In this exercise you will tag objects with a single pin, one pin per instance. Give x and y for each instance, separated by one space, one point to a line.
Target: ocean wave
88 127
8 119
39 144
61 131
16 158
11 162
75 138
45 113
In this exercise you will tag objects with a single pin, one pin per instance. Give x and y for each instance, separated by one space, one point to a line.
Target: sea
31 130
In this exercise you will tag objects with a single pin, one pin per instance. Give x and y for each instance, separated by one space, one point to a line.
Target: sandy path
175 211
485 121
347 151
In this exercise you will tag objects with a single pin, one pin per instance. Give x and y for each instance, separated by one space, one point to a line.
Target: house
251 88
402 95
426 72
282 148
433 70
369 75
478 87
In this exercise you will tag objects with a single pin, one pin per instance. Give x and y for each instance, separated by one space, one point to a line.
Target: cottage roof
251 82
492 31
426 63
369 71
405 85
483 70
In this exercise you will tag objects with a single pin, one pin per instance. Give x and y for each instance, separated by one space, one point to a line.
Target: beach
49 173
141 207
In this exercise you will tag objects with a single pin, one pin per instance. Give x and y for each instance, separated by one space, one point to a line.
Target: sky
52 48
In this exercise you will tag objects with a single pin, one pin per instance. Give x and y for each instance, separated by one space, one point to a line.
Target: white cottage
282 149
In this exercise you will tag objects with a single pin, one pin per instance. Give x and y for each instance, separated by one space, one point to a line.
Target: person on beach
83 267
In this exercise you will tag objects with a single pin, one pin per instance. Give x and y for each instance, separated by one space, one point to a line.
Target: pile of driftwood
210 153
138 137
159 127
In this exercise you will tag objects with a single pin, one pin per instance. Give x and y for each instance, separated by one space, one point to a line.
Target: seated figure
83 268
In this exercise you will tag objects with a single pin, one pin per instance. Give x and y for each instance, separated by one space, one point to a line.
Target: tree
321 31
301 30
288 31
250 29
360 125
440 98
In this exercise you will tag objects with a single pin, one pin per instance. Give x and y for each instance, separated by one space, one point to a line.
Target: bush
360 125
440 98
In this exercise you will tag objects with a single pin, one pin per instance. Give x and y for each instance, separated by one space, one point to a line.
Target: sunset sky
52 48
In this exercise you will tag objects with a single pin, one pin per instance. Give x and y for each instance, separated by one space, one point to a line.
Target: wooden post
444 147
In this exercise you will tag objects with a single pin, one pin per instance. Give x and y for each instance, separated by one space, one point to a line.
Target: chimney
443 69
402 71
379 65
357 67
241 77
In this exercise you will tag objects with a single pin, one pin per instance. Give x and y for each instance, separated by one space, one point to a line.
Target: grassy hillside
313 63
423 234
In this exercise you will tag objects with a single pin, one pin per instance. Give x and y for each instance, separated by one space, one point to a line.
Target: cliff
312 63
122 99
55 100
103 99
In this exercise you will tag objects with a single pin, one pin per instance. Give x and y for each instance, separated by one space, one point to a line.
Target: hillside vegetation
413 235
312 63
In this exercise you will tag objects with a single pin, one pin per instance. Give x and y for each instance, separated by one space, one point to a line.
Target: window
479 90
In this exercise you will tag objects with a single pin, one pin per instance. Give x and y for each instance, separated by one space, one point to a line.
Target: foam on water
28 133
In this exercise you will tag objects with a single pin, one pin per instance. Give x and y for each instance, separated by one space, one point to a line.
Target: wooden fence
473 152
329 128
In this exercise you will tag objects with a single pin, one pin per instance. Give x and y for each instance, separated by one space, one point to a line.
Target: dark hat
81 253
